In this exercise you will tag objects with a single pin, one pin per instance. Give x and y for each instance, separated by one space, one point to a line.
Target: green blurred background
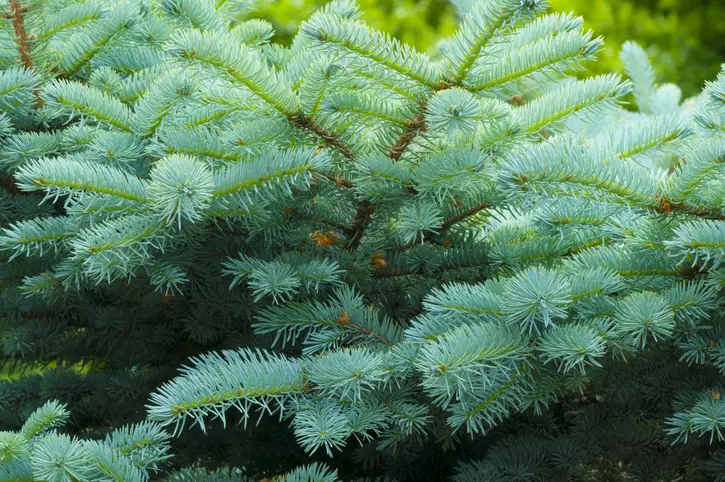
685 38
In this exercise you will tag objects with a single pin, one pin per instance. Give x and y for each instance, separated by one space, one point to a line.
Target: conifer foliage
343 259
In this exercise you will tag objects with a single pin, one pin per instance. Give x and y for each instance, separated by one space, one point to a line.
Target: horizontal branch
448 223
329 138
666 207
375 335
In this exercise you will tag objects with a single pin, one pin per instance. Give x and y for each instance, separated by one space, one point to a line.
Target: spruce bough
475 267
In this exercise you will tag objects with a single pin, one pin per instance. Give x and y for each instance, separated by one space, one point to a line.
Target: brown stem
666 207
363 216
365 211
447 224
373 334
340 181
20 33
329 138
416 125
463 215
23 41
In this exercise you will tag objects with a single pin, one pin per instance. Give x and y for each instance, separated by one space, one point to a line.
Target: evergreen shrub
342 259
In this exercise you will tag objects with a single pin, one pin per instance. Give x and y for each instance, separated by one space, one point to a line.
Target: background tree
681 37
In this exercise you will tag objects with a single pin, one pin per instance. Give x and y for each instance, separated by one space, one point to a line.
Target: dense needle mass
387 259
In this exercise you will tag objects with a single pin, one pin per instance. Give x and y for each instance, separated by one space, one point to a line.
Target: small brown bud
325 239
344 318
378 260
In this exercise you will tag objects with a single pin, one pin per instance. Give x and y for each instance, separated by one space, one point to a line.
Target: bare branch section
23 40
365 211
463 215
666 207
363 216
417 125
328 137
20 33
